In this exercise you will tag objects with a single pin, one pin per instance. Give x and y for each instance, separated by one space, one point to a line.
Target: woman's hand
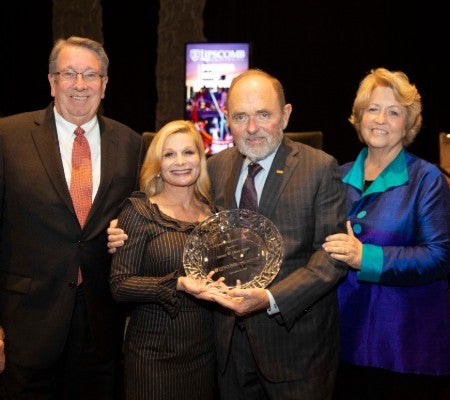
201 288
345 247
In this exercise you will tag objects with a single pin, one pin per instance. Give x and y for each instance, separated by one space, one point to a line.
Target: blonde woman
169 343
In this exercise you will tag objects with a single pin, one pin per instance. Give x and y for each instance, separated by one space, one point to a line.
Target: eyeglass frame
72 75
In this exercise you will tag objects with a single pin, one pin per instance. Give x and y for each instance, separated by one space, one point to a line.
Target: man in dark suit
280 343
63 331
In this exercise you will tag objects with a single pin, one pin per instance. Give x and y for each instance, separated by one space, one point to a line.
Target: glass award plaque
237 245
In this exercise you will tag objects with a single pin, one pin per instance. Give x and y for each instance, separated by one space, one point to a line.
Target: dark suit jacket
42 244
303 196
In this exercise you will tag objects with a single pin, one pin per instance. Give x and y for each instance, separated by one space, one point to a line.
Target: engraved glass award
238 245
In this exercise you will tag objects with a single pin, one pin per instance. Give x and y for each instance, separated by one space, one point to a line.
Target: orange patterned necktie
249 198
81 179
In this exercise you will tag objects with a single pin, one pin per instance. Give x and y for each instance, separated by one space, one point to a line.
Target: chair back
444 154
311 138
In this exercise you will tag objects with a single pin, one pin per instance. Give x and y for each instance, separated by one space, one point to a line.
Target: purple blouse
395 312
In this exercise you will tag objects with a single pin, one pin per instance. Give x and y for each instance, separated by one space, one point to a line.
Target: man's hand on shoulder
116 236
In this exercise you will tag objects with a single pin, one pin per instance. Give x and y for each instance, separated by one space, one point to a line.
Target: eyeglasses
71 76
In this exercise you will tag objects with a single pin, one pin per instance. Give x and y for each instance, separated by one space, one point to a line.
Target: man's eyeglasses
71 76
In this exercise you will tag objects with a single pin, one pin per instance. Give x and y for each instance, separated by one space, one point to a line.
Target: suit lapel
280 172
46 142
109 148
230 185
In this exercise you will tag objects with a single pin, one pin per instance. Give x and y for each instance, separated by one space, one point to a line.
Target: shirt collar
68 126
265 163
395 174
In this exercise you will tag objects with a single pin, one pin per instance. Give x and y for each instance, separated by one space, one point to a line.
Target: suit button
72 285
80 243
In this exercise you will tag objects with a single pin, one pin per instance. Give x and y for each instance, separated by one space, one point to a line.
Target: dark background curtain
320 50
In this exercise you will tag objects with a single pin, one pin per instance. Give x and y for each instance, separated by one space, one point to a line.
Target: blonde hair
405 93
150 180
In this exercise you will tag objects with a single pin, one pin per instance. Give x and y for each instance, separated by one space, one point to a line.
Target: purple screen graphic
210 68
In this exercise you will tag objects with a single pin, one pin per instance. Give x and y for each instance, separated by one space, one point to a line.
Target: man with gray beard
280 342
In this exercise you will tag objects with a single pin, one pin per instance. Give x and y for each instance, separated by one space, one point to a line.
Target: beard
256 152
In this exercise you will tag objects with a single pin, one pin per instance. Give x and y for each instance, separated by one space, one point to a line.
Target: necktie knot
253 169
79 131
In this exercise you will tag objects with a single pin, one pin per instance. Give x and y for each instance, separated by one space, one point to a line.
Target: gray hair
77 41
